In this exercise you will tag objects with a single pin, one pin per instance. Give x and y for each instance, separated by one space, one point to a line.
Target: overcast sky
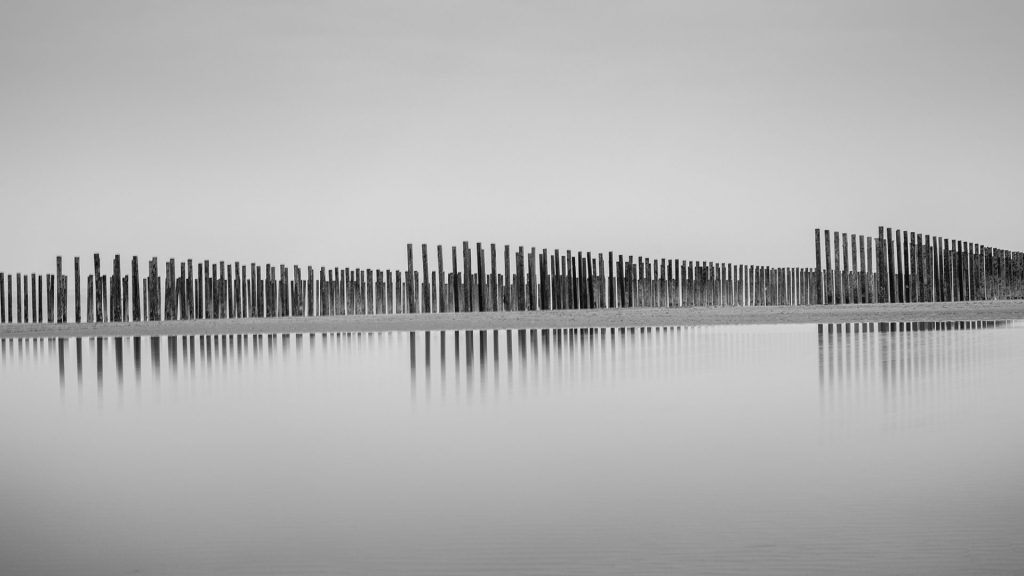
335 132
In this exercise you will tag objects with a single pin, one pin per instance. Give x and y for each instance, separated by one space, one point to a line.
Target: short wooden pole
494 305
846 270
97 293
91 301
829 275
50 298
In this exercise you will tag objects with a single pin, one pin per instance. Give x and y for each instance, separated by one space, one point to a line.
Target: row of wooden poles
905 267
911 267
531 281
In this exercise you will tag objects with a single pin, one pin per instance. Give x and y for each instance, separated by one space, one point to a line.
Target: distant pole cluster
557 280
905 267
911 267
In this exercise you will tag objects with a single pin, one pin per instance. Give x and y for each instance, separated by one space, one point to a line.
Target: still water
842 449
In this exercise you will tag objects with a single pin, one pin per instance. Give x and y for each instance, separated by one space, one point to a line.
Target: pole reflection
895 367
914 372
482 364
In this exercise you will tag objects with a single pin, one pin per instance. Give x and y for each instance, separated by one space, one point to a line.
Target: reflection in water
668 450
480 364
896 366
914 371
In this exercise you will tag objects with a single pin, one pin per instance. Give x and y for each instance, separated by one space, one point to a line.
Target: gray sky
335 132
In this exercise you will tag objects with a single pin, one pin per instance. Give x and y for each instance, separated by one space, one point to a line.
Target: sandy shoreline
923 312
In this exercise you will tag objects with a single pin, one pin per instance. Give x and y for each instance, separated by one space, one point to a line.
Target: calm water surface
844 449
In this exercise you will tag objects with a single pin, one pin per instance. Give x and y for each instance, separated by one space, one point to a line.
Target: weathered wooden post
901 266
467 273
282 290
151 288
442 285
520 284
171 293
906 269
115 290
310 294
124 298
890 268
532 280
863 283
557 281
481 276
930 270
455 286
602 298
589 286
263 300
40 297
925 260
915 261
410 296
136 297
61 294
853 284
875 267
97 293
820 291
846 270
958 270
91 300
495 306
880 273
829 283
22 306
942 262
630 284
837 274
424 293
50 298
78 293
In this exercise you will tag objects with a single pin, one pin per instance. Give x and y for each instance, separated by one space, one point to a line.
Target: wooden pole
467 284
136 296
820 291
929 269
115 291
864 296
846 270
854 276
905 285
890 268
494 278
78 292
410 296
61 294
533 279
425 290
37 298
829 284
98 293
507 299
481 267
838 294
91 300
49 300
874 267
520 280
442 286
22 306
